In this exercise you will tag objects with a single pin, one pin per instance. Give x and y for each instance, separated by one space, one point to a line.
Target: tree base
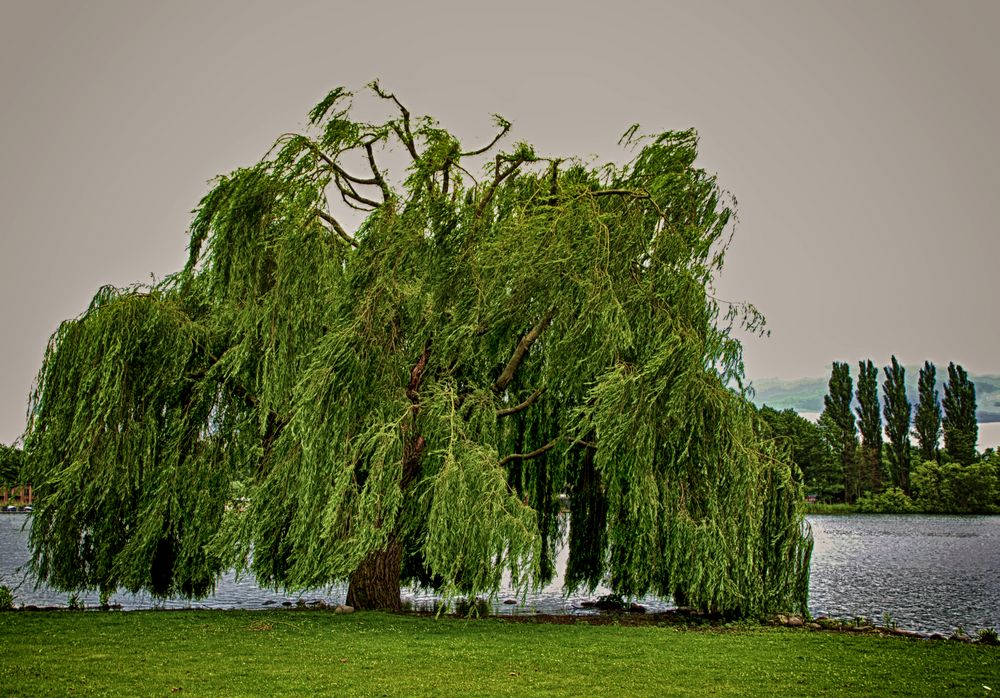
374 586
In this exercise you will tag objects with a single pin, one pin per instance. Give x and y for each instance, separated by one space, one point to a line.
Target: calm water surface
929 573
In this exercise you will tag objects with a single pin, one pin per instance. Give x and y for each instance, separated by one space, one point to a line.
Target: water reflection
929 573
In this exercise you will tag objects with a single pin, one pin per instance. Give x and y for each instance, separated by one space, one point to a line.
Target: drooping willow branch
274 422
633 194
467 173
337 227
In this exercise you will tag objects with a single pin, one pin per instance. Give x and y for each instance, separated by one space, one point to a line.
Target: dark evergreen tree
838 423
810 451
897 424
11 458
927 421
870 425
961 431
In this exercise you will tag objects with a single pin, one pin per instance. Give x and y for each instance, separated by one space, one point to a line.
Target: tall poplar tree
870 425
838 421
407 399
897 423
961 431
927 421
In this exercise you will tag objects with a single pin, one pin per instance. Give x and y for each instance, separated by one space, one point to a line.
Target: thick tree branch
467 173
332 164
337 227
413 450
351 178
522 351
413 453
505 128
417 373
319 152
554 183
356 207
347 190
345 180
405 133
379 180
407 138
275 425
500 177
533 454
507 411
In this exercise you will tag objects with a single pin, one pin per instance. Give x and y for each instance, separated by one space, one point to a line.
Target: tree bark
374 586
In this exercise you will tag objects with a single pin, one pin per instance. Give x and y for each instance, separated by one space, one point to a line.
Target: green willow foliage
301 400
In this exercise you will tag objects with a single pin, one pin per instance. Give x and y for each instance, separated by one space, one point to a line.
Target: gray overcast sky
858 137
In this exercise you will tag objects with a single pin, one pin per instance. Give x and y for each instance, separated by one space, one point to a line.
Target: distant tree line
885 455
10 465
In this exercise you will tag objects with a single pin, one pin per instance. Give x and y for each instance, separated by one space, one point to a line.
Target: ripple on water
929 573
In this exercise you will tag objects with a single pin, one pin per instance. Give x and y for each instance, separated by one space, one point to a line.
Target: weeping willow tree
406 400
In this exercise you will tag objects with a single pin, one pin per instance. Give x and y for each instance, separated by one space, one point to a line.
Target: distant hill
806 394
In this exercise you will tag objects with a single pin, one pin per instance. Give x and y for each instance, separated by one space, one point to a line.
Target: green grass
837 508
317 652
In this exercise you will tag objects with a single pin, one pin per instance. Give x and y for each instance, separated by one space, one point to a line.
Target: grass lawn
304 652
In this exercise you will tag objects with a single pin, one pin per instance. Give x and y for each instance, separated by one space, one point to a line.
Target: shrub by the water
6 598
892 501
957 489
988 636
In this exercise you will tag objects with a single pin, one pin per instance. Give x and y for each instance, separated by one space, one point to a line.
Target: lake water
929 573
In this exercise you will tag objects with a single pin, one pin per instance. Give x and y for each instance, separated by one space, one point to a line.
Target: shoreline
680 618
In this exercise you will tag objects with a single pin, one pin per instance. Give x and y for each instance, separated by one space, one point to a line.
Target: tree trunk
375 584
680 598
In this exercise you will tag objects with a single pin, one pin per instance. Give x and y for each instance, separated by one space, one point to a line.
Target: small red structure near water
19 496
